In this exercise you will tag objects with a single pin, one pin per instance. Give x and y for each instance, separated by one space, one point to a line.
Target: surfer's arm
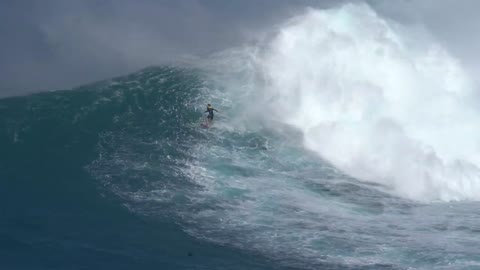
215 110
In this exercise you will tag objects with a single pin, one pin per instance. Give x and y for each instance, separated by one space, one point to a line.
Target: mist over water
381 101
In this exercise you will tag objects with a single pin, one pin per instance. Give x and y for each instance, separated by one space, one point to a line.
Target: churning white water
381 101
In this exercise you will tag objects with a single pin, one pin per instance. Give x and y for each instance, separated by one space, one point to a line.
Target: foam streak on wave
381 101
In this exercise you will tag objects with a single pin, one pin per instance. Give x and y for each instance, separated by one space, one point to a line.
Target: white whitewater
381 101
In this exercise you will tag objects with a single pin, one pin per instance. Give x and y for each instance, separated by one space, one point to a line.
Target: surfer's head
209 105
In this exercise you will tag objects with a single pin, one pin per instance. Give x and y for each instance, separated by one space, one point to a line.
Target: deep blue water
56 215
119 175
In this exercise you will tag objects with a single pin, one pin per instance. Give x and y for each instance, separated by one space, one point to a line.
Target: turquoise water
118 175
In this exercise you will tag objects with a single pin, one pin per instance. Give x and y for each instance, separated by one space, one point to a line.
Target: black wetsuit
210 112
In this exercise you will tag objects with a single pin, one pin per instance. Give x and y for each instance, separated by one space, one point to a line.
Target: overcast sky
56 44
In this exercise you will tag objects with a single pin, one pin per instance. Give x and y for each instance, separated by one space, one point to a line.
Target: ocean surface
343 141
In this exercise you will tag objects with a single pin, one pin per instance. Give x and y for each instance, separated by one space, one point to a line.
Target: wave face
340 144
72 163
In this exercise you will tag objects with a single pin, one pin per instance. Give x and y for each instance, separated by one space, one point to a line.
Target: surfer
210 110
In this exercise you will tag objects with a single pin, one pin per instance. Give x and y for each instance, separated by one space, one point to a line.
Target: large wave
376 100
382 101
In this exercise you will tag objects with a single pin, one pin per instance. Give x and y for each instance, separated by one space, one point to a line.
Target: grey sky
56 44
